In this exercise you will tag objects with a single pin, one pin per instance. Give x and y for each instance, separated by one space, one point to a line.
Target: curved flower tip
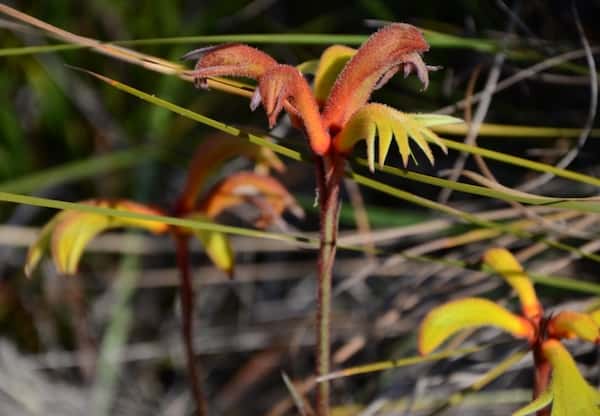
393 48
569 324
283 86
215 151
69 232
568 393
265 192
446 320
506 265
228 60
387 123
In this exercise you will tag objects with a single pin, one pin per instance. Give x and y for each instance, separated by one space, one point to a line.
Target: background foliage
84 139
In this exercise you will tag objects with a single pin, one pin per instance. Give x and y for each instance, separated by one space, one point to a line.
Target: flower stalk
67 235
329 175
541 376
334 116
558 387
186 290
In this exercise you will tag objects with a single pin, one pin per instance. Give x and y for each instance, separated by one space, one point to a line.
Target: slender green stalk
115 338
186 290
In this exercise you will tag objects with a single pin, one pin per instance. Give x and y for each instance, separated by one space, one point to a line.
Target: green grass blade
401 362
78 170
225 128
559 282
519 161
578 204
174 221
506 131
397 193
435 39
468 217
31 50
541 167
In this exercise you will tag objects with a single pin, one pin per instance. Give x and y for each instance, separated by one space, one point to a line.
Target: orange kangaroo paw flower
228 60
283 86
393 48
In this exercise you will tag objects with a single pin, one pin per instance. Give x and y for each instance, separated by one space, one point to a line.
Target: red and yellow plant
557 382
334 115
68 233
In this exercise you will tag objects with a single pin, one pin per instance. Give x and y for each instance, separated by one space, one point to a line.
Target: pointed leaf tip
69 232
446 320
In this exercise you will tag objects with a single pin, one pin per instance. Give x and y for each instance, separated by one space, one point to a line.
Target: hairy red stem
186 291
541 376
329 175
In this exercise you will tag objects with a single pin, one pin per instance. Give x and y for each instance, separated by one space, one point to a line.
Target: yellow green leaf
387 123
507 266
542 401
73 231
216 245
69 232
331 63
595 315
569 324
571 393
308 67
446 320
434 120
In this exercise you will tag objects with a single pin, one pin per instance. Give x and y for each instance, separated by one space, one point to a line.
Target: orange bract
392 48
